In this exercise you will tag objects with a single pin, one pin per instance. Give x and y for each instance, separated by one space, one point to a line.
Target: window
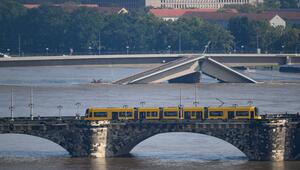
154 114
171 113
216 113
242 113
100 114
125 114
193 114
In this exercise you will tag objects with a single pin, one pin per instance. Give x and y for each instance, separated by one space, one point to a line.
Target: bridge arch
193 144
30 143
136 135
74 139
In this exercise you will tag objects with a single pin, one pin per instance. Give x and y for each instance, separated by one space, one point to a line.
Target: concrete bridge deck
274 138
228 59
186 68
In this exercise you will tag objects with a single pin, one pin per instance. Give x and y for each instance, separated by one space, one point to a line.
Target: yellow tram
173 113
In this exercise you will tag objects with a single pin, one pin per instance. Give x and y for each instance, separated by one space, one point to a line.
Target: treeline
54 30
50 29
57 1
251 35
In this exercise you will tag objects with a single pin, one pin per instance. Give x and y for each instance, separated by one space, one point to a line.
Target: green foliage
245 8
55 30
253 34
271 4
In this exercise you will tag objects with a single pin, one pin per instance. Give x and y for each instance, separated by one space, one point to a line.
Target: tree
83 29
10 12
241 29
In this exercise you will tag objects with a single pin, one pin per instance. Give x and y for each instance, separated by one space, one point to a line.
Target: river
67 85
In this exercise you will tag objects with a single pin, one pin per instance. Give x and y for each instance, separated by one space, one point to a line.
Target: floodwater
67 85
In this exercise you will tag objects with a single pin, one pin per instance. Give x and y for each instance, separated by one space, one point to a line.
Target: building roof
212 14
177 12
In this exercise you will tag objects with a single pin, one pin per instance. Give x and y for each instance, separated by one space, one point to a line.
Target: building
128 4
275 18
177 4
186 4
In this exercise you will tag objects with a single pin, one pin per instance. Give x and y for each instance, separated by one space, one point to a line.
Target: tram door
230 114
252 115
114 115
187 115
142 115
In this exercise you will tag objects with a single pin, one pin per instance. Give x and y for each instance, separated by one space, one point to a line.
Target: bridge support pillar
190 78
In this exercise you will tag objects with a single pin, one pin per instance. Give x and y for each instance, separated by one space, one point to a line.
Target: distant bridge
227 59
188 69
185 68
273 139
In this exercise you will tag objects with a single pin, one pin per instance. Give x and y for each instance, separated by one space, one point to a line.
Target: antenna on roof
222 103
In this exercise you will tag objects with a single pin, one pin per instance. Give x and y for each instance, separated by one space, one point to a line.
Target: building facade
185 4
128 4
177 4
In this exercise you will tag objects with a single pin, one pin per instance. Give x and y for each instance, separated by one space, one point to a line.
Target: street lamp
90 50
142 103
242 47
127 49
47 49
77 109
169 49
8 51
12 106
31 105
59 107
282 48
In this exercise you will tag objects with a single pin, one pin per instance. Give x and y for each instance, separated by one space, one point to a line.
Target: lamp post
77 110
59 107
47 50
12 106
8 51
90 50
282 49
31 105
242 48
169 49
142 103
127 49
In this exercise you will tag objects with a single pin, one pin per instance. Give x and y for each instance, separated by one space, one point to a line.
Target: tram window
100 114
170 113
242 113
198 113
125 114
193 114
148 114
216 113
154 114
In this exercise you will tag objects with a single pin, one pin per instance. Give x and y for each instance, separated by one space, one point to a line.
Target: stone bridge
274 139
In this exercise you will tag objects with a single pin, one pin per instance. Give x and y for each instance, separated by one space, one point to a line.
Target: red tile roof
212 14
176 12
